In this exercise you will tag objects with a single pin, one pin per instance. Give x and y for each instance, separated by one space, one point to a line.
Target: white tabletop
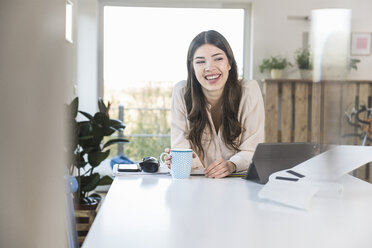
156 211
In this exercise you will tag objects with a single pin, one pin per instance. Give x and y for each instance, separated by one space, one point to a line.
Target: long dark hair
196 102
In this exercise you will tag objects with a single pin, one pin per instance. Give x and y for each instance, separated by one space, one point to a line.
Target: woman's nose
209 65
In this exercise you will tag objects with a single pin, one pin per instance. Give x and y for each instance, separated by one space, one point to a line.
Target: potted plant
275 65
353 63
87 149
303 61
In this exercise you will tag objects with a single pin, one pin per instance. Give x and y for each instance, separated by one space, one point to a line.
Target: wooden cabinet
304 111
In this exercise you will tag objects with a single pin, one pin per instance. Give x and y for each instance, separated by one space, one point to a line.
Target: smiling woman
144 56
213 112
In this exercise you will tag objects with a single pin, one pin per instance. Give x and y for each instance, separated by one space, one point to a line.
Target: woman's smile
212 78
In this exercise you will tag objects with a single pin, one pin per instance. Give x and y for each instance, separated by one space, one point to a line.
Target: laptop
272 157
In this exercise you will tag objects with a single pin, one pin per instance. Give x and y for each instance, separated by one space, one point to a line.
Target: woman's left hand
219 169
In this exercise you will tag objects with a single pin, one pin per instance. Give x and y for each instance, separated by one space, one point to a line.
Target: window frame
248 30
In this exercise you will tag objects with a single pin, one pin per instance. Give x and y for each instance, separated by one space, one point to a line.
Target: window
144 55
69 24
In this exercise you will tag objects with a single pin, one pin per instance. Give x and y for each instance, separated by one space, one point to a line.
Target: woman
220 117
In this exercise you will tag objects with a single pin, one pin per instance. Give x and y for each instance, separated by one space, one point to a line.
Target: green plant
276 62
87 150
303 59
353 63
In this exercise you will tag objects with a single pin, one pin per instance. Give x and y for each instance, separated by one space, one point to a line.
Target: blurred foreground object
330 41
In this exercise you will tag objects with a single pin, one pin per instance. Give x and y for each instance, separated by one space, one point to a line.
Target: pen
287 178
295 173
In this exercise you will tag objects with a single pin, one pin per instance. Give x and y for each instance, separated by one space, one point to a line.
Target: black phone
128 168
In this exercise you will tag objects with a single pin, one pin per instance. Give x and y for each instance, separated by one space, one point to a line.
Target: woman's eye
200 62
219 59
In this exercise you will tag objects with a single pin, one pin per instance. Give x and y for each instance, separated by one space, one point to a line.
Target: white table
156 211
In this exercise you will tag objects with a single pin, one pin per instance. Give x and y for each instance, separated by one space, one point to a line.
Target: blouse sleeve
178 119
253 121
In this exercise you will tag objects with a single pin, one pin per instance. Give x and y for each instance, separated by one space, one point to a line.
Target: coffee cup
181 162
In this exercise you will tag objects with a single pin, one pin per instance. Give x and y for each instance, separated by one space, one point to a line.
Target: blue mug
181 162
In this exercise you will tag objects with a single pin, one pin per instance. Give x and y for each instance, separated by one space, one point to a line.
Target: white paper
327 189
334 163
321 176
294 194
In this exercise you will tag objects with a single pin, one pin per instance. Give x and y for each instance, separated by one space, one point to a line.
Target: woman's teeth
212 77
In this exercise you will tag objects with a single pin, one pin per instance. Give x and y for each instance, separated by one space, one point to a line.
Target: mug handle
162 162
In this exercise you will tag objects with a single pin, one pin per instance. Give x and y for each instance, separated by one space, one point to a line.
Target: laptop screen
272 157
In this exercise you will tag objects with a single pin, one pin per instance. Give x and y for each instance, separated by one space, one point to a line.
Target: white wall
274 34
35 78
87 55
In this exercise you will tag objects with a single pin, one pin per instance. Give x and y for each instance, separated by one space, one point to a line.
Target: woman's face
211 67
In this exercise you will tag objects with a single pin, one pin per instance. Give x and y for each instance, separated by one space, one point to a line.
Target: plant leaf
74 107
89 183
86 137
79 160
117 124
95 158
101 119
108 131
89 116
101 106
98 134
114 141
86 134
85 128
276 62
105 180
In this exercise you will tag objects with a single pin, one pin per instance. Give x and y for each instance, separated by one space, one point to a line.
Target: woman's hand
168 158
220 168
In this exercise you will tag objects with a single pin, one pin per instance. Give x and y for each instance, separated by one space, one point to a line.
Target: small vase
306 74
276 74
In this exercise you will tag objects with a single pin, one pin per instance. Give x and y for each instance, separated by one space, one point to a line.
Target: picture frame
360 44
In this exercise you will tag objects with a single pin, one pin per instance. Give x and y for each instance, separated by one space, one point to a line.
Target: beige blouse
251 116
